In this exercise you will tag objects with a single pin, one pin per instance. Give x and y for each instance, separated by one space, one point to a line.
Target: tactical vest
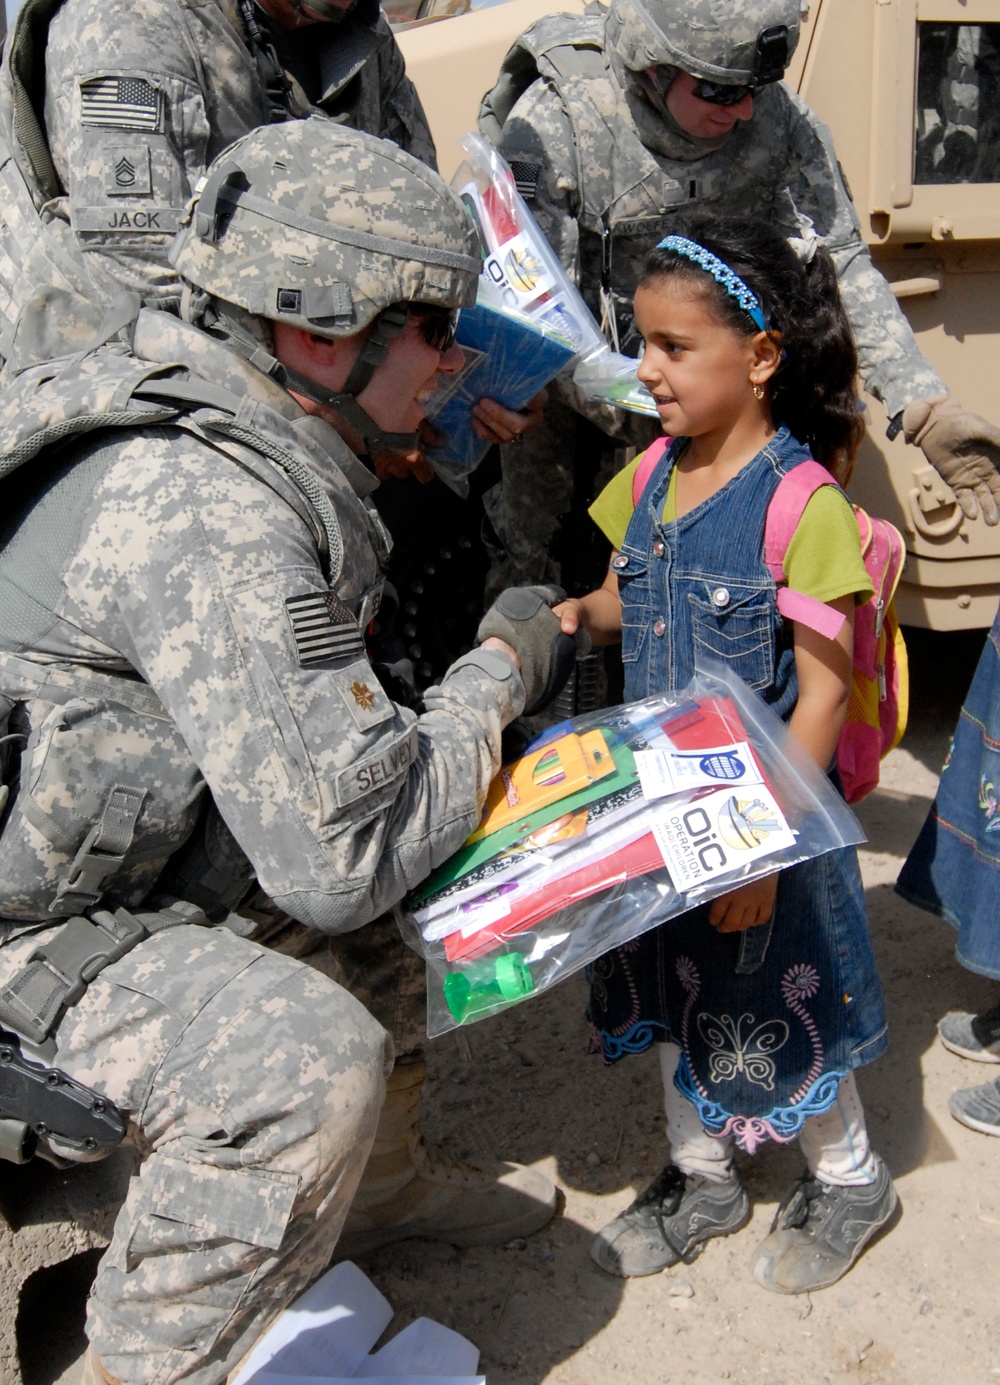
626 197
99 790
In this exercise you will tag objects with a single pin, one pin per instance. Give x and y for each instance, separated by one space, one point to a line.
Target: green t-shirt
823 559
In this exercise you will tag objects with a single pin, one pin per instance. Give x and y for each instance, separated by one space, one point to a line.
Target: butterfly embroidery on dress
732 1054
989 803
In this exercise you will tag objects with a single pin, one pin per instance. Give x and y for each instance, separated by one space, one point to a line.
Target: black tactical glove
522 617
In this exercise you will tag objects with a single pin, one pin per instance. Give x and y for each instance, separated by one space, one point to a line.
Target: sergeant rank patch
323 628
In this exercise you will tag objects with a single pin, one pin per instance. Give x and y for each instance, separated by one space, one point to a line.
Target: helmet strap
388 325
375 438
234 328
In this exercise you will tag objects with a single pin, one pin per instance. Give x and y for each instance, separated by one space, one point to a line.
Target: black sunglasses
437 326
720 94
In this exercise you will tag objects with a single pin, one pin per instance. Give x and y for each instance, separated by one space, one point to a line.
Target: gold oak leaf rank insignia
362 695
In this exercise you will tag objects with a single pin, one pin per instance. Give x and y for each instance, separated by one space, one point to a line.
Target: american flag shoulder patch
526 176
323 628
120 103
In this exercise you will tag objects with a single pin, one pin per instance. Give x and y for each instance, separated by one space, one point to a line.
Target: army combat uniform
605 174
141 95
138 99
182 598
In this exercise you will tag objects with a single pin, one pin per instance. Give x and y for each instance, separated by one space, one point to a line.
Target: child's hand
599 613
571 615
745 907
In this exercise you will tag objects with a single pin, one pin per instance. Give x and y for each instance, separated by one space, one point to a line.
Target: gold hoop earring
758 389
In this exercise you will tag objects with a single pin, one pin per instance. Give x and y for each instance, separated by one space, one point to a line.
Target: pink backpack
880 687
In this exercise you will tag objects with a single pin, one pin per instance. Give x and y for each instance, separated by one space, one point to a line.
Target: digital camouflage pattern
709 39
611 173
252 1086
181 565
780 165
182 599
324 228
141 95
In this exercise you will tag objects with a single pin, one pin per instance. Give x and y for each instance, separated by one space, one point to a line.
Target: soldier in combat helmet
615 124
190 560
108 139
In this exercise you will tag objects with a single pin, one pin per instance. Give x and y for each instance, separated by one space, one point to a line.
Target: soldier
188 568
111 134
138 99
615 124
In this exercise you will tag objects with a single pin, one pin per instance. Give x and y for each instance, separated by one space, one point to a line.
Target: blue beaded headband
720 272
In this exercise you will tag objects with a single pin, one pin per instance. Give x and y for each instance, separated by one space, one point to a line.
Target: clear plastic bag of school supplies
608 825
612 379
528 325
521 274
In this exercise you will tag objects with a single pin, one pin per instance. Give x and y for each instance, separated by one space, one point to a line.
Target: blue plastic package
507 359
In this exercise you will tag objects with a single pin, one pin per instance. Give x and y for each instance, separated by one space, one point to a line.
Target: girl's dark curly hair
813 390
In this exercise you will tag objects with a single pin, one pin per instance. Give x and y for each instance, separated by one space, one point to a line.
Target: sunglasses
438 327
720 94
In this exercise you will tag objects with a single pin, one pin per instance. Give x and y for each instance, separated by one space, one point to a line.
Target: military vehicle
911 92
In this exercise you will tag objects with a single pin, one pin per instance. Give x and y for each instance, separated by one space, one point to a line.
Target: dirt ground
918 1307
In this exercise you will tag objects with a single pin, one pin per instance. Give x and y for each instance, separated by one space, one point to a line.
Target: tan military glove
962 448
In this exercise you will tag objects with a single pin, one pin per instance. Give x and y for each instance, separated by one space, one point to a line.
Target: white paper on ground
425 1348
326 1335
327 1332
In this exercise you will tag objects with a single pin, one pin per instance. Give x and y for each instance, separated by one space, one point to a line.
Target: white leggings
835 1144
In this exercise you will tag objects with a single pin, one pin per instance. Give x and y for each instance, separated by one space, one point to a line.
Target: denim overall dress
768 1021
953 868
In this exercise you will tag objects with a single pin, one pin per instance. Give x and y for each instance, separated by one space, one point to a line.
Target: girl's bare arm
824 673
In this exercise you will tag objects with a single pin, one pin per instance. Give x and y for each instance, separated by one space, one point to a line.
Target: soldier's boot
407 1191
94 1373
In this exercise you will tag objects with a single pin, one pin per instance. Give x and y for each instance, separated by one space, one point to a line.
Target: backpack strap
648 462
795 489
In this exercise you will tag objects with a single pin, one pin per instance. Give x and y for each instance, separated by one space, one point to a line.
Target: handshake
523 619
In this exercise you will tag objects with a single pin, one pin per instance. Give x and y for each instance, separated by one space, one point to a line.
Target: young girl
764 1001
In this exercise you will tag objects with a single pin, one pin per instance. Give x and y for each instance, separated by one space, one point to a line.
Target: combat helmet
748 43
331 230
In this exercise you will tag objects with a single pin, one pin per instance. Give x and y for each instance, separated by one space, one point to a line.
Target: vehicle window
958 104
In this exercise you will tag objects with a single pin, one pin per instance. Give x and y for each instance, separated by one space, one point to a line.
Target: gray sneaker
820 1230
978 1107
973 1036
669 1222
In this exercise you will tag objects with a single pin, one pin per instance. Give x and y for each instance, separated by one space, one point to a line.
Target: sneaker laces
795 1208
664 1197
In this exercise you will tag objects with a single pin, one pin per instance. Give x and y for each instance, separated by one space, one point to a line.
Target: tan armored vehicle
911 91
